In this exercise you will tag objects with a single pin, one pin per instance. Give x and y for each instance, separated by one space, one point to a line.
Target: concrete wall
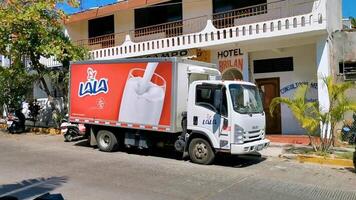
124 21
78 31
344 43
334 15
194 8
304 71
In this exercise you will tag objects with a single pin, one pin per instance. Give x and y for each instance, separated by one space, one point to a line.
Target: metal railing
103 41
227 19
165 30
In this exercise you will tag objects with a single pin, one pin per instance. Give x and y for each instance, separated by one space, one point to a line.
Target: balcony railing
165 30
247 15
227 19
103 41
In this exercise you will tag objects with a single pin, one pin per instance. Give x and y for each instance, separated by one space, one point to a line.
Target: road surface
31 165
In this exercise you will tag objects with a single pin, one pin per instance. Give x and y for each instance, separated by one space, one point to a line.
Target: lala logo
93 86
209 120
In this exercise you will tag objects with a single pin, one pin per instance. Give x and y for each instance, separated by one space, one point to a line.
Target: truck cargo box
115 93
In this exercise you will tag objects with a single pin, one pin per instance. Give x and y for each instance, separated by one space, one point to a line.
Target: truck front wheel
200 151
106 141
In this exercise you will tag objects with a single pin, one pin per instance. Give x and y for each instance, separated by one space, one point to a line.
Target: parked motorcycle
16 122
72 131
348 131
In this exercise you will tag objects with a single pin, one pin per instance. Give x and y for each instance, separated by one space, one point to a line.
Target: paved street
32 165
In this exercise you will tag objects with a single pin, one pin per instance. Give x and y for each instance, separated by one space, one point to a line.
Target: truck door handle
195 120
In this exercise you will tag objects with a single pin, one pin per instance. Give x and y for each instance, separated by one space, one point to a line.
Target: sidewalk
289 139
280 143
276 149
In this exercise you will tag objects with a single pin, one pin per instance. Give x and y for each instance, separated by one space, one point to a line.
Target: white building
279 44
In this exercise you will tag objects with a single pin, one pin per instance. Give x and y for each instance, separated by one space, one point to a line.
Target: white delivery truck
144 102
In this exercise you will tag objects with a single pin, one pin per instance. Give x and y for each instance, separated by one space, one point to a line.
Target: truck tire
107 141
200 151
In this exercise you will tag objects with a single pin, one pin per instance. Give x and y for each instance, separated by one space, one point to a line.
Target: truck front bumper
249 147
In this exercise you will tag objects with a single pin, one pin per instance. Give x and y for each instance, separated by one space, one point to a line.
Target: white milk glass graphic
143 97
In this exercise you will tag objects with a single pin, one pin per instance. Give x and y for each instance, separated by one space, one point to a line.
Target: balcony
279 18
228 19
104 41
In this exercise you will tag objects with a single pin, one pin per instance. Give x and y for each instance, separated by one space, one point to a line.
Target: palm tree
305 112
312 119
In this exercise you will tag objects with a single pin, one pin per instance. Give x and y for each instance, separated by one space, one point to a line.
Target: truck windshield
246 99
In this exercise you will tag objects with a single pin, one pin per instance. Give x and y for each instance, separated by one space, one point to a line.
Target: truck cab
224 116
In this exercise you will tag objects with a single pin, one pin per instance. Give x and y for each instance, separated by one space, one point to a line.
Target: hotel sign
193 54
231 58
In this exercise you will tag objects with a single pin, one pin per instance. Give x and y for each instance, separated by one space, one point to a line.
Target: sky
349 6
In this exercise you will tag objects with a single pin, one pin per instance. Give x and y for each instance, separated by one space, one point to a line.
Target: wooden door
270 89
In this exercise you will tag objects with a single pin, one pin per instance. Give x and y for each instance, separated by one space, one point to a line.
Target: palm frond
279 100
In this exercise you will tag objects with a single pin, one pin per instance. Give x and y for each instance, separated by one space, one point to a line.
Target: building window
101 31
273 65
348 69
164 20
158 14
212 97
227 11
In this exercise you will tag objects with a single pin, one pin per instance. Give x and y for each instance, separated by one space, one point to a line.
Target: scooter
16 122
348 131
72 131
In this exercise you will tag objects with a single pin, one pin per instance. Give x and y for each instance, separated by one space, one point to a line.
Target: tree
14 87
353 22
33 29
316 122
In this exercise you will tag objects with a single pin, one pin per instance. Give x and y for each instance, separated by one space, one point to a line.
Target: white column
245 68
323 70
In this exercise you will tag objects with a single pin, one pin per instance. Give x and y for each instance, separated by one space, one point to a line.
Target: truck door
211 113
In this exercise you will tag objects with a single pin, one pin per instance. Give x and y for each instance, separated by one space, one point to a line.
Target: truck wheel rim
105 140
201 151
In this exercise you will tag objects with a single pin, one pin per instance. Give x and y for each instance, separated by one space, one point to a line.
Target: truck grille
252 136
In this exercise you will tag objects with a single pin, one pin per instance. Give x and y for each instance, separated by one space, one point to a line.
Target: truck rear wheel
106 141
200 151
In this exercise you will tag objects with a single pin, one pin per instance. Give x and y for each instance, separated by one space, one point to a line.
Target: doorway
270 89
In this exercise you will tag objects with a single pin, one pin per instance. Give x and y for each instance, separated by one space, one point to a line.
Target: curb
45 131
37 130
325 161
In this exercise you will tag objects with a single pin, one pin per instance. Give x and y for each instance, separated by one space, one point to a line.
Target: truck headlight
263 134
238 134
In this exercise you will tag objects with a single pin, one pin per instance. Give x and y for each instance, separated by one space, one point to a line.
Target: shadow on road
221 159
32 187
240 161
81 142
350 169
